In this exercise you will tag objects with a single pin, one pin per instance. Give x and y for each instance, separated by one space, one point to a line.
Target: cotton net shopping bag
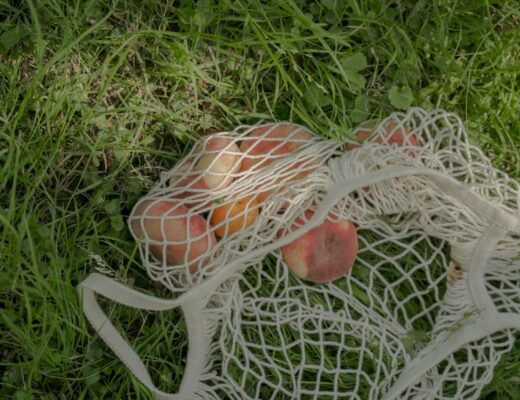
426 312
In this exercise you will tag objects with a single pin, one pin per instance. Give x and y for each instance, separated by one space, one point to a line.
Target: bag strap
190 301
486 322
115 291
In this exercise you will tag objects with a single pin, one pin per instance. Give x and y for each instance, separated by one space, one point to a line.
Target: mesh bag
426 312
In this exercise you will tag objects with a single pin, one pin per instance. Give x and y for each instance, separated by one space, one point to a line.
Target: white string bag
427 311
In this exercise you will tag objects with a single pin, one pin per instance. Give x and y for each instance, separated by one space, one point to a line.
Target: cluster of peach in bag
178 236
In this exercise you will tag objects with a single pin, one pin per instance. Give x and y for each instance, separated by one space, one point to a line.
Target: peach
192 185
399 136
269 143
219 161
185 178
179 237
323 254
234 216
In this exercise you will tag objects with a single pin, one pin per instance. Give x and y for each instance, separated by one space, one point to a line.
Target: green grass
98 97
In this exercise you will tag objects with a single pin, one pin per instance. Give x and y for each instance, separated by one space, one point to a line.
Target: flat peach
269 143
400 136
180 237
323 254
191 186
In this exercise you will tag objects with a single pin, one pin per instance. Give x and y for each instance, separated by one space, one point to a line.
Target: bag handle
190 301
198 342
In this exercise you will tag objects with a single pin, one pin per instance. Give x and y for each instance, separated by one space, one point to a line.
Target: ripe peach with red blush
361 135
324 253
395 135
267 144
177 237
185 174
271 140
399 135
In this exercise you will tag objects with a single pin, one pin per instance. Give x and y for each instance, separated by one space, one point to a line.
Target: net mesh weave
273 335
